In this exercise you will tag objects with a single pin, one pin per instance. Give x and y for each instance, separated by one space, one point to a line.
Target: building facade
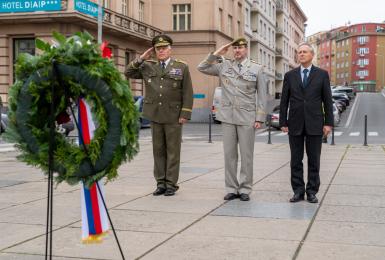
125 27
353 55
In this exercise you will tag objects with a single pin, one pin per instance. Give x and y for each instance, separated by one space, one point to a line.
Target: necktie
163 64
239 67
305 71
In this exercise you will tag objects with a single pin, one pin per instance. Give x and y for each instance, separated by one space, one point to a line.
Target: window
363 62
25 45
220 20
362 39
141 11
362 51
124 7
230 25
363 28
181 17
362 73
247 18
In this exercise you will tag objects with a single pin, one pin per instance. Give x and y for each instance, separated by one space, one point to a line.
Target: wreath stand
48 241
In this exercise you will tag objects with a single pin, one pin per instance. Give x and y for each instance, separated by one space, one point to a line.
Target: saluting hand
147 54
222 50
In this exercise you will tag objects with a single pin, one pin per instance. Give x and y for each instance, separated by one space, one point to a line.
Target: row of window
268 8
342 75
267 32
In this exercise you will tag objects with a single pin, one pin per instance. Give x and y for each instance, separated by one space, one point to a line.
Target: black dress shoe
312 198
230 196
169 192
297 197
244 197
159 191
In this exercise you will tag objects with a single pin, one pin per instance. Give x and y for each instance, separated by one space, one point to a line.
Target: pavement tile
13 232
67 243
300 210
187 247
332 251
347 233
351 214
246 227
356 189
363 200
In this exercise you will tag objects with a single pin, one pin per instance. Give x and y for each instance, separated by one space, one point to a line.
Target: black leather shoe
230 196
244 197
297 197
159 191
312 198
169 192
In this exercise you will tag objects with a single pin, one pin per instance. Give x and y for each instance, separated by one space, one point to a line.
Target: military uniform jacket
168 92
244 93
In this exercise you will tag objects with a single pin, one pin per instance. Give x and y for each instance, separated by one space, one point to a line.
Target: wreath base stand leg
48 233
58 78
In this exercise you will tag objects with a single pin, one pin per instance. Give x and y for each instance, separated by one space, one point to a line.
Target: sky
326 14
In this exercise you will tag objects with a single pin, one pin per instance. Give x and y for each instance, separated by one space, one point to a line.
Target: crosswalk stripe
354 134
338 133
372 134
281 134
263 134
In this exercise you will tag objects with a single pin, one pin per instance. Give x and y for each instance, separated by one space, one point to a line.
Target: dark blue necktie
304 81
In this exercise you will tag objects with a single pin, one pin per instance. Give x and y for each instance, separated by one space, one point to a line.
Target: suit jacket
310 107
244 93
169 93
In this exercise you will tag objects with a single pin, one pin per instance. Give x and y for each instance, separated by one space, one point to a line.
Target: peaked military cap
239 42
161 40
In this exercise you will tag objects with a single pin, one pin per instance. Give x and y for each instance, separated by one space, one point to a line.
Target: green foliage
78 50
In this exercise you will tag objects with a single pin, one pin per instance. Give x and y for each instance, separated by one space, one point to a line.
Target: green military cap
239 42
161 40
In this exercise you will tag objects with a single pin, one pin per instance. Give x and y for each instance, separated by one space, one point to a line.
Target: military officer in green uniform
167 104
242 110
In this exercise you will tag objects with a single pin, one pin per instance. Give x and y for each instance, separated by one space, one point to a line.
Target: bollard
269 130
366 131
332 143
210 117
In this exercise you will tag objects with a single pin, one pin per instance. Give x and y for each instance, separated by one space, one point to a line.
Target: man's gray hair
308 45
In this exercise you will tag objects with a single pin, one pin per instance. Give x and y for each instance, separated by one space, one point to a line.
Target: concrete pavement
348 223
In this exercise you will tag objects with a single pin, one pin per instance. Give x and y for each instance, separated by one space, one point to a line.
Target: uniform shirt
244 92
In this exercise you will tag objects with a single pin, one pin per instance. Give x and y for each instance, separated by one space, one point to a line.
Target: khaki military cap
161 40
239 42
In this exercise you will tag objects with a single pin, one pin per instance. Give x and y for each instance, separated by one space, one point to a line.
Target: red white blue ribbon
94 215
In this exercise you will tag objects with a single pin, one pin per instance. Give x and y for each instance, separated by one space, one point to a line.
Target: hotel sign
13 6
87 7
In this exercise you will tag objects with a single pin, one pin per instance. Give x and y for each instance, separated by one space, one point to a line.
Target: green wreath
84 73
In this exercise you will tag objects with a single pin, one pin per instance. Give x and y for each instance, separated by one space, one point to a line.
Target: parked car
342 97
139 104
274 118
340 105
216 103
336 115
3 123
347 90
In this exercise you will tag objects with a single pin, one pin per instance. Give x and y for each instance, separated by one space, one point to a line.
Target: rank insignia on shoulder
181 61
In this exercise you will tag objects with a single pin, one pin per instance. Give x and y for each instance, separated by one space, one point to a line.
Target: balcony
278 30
279 6
278 76
278 52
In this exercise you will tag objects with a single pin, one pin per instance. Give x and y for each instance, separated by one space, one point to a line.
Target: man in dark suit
306 96
168 105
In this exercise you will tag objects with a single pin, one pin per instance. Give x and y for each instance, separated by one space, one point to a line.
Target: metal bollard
210 117
332 143
366 131
269 130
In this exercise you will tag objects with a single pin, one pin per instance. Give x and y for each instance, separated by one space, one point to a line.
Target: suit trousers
313 144
245 137
166 144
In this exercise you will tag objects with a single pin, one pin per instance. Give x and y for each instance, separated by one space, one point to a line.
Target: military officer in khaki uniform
242 110
168 105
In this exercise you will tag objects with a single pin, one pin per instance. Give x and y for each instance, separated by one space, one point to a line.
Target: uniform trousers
166 144
244 136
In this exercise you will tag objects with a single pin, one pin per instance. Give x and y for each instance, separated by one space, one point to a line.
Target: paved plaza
196 223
